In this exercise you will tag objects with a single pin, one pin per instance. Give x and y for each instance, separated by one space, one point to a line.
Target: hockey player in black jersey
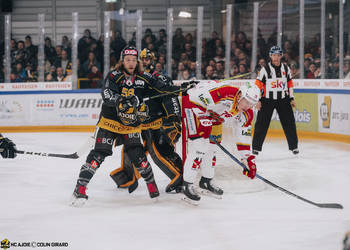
158 142
123 112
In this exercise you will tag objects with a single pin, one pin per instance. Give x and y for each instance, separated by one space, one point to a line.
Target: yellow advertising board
306 113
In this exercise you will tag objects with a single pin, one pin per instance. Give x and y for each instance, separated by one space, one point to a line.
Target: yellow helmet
145 53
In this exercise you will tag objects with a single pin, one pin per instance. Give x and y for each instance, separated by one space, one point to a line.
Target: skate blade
77 202
209 194
189 201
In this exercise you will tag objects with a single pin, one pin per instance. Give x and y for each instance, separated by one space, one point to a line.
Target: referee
275 82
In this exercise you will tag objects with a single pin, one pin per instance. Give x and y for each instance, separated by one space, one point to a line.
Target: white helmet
251 92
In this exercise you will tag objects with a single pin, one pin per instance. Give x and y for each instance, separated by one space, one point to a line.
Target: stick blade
330 205
68 156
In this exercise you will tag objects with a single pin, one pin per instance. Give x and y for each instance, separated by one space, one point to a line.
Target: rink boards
322 110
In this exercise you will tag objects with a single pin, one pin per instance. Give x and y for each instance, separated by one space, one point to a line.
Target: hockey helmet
129 50
146 53
250 92
276 50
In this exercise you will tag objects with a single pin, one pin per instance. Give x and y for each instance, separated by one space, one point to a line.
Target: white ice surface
35 194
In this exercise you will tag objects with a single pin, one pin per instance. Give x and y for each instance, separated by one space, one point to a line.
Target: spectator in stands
21 55
261 64
47 67
49 51
219 70
63 61
31 73
132 41
211 45
32 51
148 32
51 76
100 50
307 62
186 75
180 71
346 69
193 69
15 78
263 49
67 45
117 45
294 70
241 41
219 55
69 76
20 73
58 52
83 45
60 76
95 77
161 42
243 68
311 73
184 58
13 48
209 73
159 68
178 42
162 60
91 61
212 63
189 38
233 68
190 51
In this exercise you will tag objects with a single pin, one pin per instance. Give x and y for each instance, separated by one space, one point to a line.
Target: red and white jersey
223 100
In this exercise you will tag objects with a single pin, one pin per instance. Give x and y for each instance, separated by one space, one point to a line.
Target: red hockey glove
252 167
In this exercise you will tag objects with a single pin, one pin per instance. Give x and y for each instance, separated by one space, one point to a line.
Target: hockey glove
132 101
171 128
188 85
251 166
215 116
7 148
128 102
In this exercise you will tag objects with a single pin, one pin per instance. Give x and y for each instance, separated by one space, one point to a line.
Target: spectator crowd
58 63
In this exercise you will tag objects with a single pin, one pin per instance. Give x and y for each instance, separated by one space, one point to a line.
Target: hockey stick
322 205
69 156
75 155
236 77
170 93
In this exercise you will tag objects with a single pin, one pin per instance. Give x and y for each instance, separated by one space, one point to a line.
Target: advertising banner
30 86
334 110
306 113
50 109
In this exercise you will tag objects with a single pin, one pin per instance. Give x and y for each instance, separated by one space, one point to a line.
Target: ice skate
190 194
175 186
206 187
295 151
79 196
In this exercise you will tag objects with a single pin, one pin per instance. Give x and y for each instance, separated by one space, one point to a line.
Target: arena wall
323 109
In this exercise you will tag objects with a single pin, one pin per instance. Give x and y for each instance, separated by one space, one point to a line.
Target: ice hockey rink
35 194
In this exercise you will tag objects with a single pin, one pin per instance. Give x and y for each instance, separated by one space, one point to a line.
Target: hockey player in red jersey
205 109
